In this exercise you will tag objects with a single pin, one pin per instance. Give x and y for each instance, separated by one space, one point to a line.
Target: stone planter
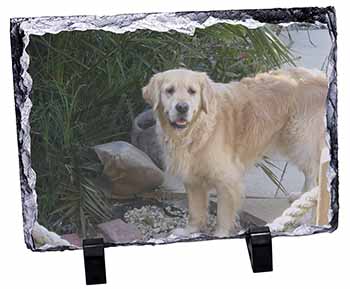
143 136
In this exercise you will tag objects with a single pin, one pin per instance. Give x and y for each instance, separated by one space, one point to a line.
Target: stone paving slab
265 209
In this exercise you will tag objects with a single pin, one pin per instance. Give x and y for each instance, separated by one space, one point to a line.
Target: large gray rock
119 232
143 136
129 169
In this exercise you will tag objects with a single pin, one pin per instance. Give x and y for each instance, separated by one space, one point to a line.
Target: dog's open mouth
179 123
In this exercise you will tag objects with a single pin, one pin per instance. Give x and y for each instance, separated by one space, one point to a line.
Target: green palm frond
267 166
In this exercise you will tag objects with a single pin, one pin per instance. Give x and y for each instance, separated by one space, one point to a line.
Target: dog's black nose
182 107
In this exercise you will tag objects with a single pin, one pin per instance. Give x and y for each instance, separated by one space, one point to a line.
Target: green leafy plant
87 90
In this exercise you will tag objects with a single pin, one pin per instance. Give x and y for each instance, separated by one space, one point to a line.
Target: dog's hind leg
302 141
311 181
307 159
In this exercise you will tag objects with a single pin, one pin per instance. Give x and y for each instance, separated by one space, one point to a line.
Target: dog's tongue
181 122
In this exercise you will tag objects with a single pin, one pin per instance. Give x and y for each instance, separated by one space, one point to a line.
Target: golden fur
228 128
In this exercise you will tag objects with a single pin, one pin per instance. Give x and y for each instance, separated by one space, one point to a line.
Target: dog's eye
191 91
170 90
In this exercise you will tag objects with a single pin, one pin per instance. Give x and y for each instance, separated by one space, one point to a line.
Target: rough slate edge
23 84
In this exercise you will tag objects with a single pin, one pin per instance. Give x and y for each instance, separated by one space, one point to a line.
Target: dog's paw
227 232
185 232
221 233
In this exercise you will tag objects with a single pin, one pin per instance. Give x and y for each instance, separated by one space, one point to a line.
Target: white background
319 261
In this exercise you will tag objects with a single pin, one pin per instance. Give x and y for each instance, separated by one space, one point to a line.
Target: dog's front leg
229 201
198 210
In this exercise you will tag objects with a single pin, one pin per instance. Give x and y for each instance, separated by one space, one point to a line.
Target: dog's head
179 95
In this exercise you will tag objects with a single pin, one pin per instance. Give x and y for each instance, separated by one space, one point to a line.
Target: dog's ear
206 92
151 92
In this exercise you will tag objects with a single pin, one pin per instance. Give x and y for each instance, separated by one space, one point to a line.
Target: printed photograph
157 137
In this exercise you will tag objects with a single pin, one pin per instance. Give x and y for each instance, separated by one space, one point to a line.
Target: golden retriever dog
212 133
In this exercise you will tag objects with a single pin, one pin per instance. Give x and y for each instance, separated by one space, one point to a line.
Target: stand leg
259 243
94 260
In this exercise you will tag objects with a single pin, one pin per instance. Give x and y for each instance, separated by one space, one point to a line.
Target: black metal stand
94 260
259 243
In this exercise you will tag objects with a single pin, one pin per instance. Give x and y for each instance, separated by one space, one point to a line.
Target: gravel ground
156 222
